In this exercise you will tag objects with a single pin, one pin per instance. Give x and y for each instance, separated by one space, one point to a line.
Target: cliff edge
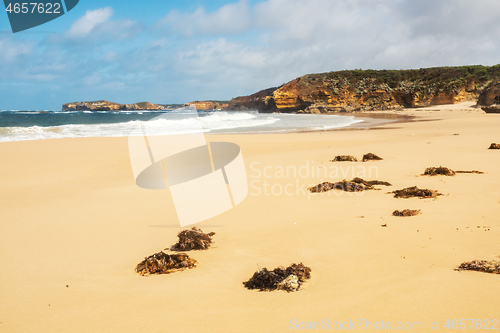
364 90
109 106
489 99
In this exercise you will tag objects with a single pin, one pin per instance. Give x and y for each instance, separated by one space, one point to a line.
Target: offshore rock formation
109 106
489 99
363 90
208 105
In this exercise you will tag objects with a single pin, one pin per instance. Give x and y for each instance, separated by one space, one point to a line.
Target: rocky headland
366 90
208 105
109 106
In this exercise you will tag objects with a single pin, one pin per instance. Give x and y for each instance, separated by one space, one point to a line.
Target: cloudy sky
176 51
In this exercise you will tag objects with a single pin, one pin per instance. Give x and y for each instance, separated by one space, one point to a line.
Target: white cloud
232 18
12 50
92 18
243 47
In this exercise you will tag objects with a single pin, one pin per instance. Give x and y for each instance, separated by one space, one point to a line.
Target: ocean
20 125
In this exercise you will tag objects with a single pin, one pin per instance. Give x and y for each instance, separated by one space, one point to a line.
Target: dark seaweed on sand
495 146
410 192
470 171
481 266
162 263
266 280
194 239
370 183
355 185
371 157
344 158
407 212
434 171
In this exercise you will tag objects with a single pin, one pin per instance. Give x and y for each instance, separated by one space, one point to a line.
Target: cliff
489 99
208 105
360 90
109 106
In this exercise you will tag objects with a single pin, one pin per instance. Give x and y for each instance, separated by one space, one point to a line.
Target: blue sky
179 51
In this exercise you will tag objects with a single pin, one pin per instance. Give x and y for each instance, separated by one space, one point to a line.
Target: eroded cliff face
370 90
109 106
489 99
207 105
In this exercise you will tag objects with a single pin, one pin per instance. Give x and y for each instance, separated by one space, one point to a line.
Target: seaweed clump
414 191
370 183
162 263
481 266
407 212
344 158
344 185
470 171
194 239
434 171
288 279
355 185
371 157
495 146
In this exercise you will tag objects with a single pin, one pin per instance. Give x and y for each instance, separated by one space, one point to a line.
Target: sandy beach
73 226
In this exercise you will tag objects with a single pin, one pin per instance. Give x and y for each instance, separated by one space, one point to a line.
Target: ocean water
20 125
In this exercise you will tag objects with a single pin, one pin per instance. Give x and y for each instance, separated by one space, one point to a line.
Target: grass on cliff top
441 77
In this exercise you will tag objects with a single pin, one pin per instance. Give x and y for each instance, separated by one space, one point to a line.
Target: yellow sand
73 226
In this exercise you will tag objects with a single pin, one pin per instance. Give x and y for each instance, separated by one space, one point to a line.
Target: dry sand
73 226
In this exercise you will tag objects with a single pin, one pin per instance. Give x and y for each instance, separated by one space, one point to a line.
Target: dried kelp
414 191
471 171
371 183
434 171
495 146
344 158
288 279
162 263
492 266
194 239
371 157
355 185
407 212
344 185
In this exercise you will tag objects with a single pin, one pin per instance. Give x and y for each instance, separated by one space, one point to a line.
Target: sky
174 51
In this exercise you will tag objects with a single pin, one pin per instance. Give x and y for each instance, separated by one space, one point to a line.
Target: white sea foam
183 122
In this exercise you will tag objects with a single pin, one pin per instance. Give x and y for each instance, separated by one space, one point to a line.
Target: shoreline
74 226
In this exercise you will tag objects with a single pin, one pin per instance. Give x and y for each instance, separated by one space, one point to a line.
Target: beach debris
371 157
434 171
343 185
414 191
194 239
370 183
384 225
344 158
355 185
288 279
492 266
470 171
291 283
162 263
495 146
407 212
